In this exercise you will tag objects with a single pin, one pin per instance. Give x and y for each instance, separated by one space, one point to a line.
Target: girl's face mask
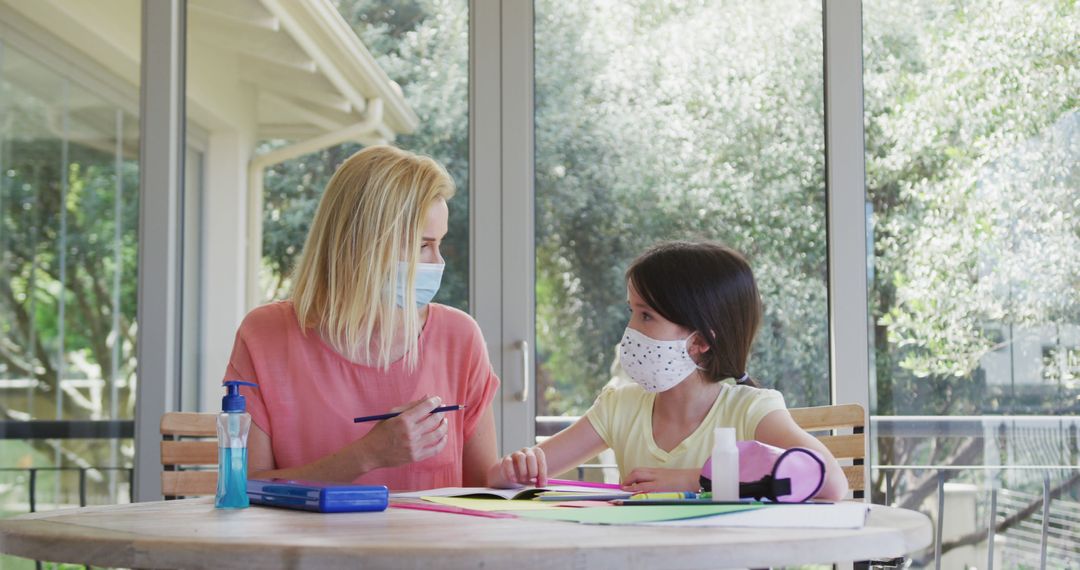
657 365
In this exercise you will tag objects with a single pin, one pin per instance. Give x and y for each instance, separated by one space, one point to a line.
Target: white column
161 169
849 252
518 240
485 186
225 208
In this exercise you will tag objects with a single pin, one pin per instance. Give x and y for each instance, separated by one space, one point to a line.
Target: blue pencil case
318 496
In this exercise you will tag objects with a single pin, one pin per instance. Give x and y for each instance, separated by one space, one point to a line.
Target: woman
359 336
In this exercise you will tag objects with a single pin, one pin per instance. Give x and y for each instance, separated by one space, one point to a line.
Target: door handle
526 371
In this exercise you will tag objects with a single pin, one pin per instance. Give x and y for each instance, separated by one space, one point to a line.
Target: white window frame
161 198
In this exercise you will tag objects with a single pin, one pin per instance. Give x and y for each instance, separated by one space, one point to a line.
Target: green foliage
972 130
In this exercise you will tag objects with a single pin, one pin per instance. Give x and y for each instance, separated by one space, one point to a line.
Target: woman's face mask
428 279
657 365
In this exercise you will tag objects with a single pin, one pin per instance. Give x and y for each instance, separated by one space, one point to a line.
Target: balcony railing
111 431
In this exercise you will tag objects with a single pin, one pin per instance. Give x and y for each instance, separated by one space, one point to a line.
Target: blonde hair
370 218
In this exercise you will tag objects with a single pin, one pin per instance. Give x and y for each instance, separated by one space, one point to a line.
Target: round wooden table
190 533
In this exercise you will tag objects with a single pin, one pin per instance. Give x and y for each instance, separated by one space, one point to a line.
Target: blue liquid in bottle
232 480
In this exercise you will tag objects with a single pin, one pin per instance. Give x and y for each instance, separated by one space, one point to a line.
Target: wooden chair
845 447
189 454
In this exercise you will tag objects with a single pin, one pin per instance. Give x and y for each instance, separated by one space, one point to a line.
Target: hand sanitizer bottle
232 431
725 465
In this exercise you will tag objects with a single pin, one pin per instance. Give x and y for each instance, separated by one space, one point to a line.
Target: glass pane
677 120
69 213
972 153
423 46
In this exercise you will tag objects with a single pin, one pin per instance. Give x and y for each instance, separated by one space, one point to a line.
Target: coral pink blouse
309 394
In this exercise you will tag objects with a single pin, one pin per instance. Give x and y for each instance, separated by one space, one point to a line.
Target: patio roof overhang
311 74
274 69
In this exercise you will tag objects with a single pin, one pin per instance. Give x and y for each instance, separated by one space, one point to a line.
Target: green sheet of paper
630 515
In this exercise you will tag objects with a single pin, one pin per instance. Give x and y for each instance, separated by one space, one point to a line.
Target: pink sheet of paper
453 510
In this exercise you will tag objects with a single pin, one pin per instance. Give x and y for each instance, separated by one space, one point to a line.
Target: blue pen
440 409
678 495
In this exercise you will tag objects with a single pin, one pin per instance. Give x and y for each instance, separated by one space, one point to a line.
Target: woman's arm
479 452
778 429
414 435
531 465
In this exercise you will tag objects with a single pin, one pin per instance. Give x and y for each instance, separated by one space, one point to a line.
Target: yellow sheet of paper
491 504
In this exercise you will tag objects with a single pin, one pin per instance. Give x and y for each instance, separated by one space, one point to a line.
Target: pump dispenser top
233 401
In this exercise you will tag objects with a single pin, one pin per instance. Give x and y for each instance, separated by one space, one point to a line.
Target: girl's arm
780 430
564 450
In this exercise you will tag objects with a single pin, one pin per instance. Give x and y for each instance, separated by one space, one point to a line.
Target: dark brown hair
707 288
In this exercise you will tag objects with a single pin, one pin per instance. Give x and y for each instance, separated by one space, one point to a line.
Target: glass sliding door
664 121
69 216
972 154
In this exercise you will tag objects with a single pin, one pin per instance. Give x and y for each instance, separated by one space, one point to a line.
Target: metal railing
1028 451
33 472
38 430
998 520
49 430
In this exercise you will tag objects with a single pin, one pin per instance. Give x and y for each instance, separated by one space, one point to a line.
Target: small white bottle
725 465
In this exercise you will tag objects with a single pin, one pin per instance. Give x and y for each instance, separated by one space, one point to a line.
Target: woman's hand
652 480
414 435
527 466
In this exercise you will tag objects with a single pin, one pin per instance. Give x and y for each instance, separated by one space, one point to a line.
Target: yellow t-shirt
623 419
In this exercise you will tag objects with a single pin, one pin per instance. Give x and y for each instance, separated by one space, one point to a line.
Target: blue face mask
428 279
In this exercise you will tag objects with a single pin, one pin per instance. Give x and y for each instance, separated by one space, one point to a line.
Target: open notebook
521 493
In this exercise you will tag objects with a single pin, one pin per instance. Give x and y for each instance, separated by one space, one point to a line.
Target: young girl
694 311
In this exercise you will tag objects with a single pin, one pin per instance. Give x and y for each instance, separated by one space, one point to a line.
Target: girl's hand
414 435
526 466
652 480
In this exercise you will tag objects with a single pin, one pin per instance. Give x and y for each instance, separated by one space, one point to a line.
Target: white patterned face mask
657 365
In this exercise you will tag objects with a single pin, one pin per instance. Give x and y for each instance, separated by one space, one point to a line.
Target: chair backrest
189 454
189 440
845 447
